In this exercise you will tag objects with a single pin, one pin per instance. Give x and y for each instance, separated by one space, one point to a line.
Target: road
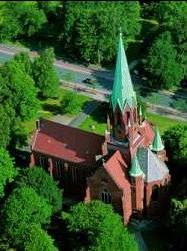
73 75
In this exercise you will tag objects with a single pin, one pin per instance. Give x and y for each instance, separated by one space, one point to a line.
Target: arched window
106 197
43 162
155 193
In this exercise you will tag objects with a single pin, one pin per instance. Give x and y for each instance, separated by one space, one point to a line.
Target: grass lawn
162 122
99 118
51 107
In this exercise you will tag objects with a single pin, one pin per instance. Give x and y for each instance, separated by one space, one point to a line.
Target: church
125 167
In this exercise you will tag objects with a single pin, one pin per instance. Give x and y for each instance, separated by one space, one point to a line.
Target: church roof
153 168
157 144
117 170
67 143
135 170
122 93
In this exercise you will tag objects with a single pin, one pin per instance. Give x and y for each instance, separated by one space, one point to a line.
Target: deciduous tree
97 227
45 75
43 184
162 63
7 170
37 239
22 208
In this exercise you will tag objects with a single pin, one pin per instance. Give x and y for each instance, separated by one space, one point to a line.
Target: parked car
89 81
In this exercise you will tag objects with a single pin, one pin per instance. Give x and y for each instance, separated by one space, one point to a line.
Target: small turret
135 170
158 147
137 185
157 144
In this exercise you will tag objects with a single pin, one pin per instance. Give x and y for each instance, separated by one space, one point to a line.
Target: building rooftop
153 168
67 143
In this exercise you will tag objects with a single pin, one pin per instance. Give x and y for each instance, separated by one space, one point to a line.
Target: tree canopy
20 18
162 63
23 207
91 28
99 228
175 139
45 75
37 239
22 92
43 184
7 170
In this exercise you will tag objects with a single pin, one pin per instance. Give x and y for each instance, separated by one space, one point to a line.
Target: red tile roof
67 143
117 169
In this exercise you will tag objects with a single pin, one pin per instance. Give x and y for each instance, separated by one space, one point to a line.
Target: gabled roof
67 143
135 170
153 168
117 170
122 93
157 144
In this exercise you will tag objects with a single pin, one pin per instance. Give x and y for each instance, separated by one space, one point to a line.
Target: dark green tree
21 90
22 208
162 63
172 16
7 170
37 239
70 103
97 227
25 62
91 28
177 223
43 184
175 139
45 75
20 18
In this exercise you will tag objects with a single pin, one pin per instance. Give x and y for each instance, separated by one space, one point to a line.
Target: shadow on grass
53 108
100 113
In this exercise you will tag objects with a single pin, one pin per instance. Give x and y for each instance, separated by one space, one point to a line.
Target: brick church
125 167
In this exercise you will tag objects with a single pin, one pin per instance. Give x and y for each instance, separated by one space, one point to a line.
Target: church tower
158 147
123 118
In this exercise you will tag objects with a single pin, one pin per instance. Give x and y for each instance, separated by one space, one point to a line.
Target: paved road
74 75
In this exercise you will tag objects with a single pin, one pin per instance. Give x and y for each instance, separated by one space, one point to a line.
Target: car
89 81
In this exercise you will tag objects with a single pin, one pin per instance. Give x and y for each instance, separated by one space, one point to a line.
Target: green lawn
51 107
162 122
99 117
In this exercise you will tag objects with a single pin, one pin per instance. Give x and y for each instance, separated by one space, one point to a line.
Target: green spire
122 93
140 110
157 144
135 170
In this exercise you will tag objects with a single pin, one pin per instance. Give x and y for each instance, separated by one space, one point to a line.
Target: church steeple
157 144
122 93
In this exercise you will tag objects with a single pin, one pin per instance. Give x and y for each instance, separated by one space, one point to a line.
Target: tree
162 63
177 223
43 184
70 103
5 124
91 29
45 75
7 170
172 16
25 62
20 18
22 208
21 90
37 239
175 139
97 227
